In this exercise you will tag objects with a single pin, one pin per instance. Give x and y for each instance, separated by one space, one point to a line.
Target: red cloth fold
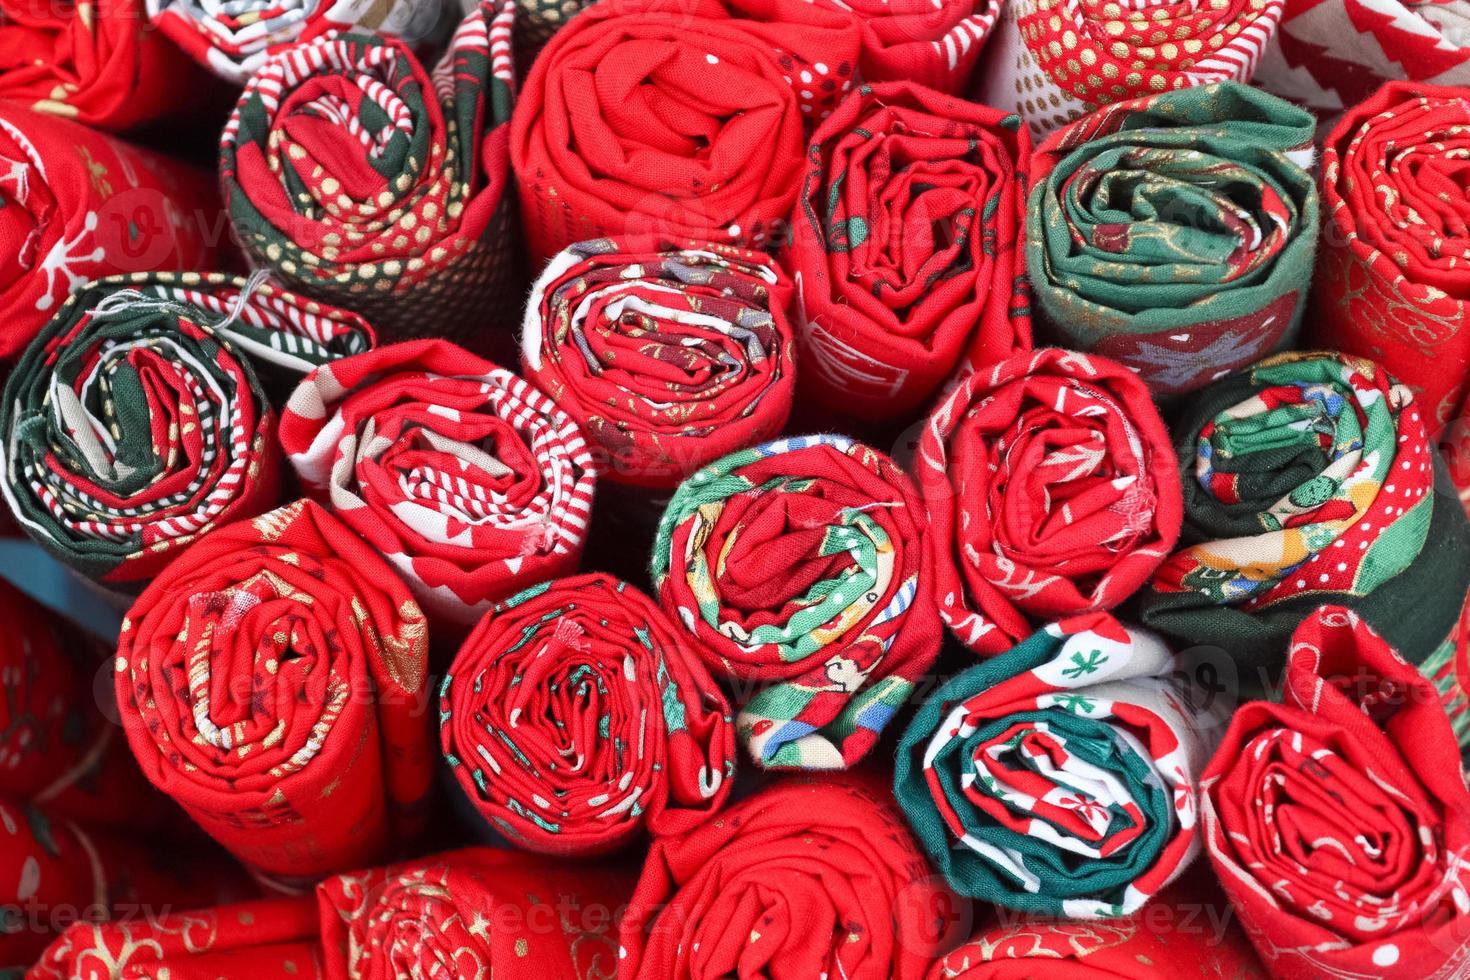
934 43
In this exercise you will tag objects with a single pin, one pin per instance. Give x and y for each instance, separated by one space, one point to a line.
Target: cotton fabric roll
139 418
905 247
1052 490
1175 232
273 682
576 716
934 44
668 356
471 483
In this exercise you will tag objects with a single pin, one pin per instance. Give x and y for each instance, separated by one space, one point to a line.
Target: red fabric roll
668 356
468 480
270 939
904 247
576 715
474 913
803 879
78 205
1052 490
272 681
934 43
1338 821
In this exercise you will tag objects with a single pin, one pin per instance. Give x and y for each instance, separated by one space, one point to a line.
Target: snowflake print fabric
361 178
1060 778
1052 490
802 569
905 247
140 417
801 879
1175 233
1309 479
576 715
471 483
471 915
77 205
668 356
1054 61
1338 820
273 682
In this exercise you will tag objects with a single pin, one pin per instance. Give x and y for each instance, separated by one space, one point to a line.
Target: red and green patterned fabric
470 482
1052 490
77 205
667 355
803 571
1175 232
93 61
1338 820
1309 479
1448 669
272 680
361 178
266 939
905 247
1393 283
800 879
140 417
1061 778
576 715
474 913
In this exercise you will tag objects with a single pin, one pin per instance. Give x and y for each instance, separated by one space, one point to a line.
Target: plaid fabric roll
800 879
1309 479
1054 61
273 682
267 939
139 418
1060 778
576 715
801 567
1391 285
904 247
1134 253
471 483
1051 489
702 143
92 61
1338 820
362 179
236 40
79 205
477 912
668 356
1329 55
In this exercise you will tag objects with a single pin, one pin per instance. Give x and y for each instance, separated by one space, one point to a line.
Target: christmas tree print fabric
1309 479
905 247
802 571
474 913
470 482
1175 232
363 179
1329 55
1052 490
139 418
1391 284
668 356
93 61
273 682
576 715
78 205
1061 778
1338 820
801 879
667 117
265 939
1054 61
